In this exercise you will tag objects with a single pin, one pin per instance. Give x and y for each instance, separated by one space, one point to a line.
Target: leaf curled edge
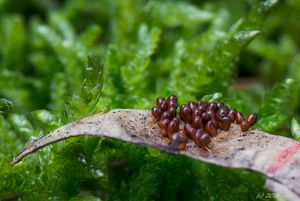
277 157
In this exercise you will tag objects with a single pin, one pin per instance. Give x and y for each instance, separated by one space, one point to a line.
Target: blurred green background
63 60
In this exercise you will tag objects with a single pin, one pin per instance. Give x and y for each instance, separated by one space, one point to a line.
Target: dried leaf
278 158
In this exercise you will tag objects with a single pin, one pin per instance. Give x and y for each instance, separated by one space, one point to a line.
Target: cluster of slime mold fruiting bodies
201 120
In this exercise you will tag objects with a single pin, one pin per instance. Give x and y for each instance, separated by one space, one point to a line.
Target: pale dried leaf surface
278 158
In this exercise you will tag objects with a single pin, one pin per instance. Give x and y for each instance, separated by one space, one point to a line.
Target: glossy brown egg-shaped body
187 113
202 108
163 125
220 105
252 118
164 105
212 106
192 105
180 110
156 112
210 128
198 122
201 138
213 118
239 117
221 113
177 120
225 123
172 104
205 139
197 137
189 130
172 98
159 101
205 116
179 140
173 127
196 112
203 103
232 114
165 115
245 125
182 106
172 111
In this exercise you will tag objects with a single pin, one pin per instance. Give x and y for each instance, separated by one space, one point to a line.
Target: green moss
62 60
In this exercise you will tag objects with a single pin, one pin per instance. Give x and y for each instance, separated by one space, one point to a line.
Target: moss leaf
295 129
